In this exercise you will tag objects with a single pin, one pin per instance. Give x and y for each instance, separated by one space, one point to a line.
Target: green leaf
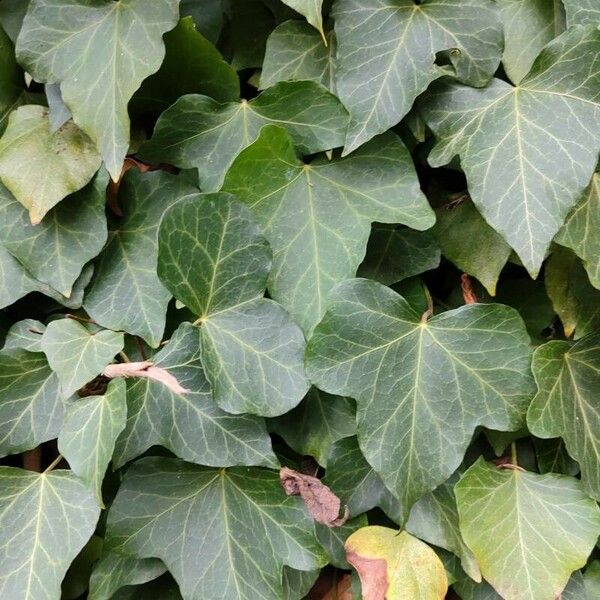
296 52
39 167
90 430
579 230
296 584
475 358
434 519
26 334
387 51
396 253
528 26
215 518
470 243
198 132
542 529
46 520
157 415
317 216
528 151
126 292
76 354
99 53
316 424
552 457
208 16
31 407
312 10
12 13
582 12
566 404
114 571
164 588
333 539
396 564
351 478
192 65
467 589
575 301
56 250
592 580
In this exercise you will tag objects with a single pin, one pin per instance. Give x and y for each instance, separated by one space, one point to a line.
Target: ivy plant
299 299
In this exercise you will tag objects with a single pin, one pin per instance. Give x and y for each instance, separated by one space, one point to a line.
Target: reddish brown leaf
372 573
144 369
322 504
467 289
331 585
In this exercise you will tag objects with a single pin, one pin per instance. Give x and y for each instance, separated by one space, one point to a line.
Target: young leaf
379 78
215 517
126 292
317 216
56 250
100 54
566 405
528 26
46 520
39 167
579 230
158 415
395 565
198 132
31 408
460 369
316 424
213 258
528 151
90 430
582 12
76 355
26 334
312 10
296 52
542 529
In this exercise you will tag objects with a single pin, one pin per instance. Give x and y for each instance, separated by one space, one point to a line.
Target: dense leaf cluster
359 239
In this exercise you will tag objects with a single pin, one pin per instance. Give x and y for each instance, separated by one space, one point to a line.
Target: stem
80 319
513 454
124 356
425 316
140 346
54 463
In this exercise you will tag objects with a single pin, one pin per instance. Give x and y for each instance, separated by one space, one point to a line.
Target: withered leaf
144 369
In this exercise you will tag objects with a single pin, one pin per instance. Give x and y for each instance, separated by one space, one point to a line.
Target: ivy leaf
62 162
353 480
316 424
396 253
317 216
26 334
157 415
395 565
582 12
578 232
546 529
100 54
208 16
126 292
527 151
297 584
90 430
470 243
296 52
434 519
114 571
312 10
12 13
215 517
198 132
552 457
528 27
77 355
401 64
566 404
475 357
56 250
31 407
333 539
45 515
191 65
213 258
592 580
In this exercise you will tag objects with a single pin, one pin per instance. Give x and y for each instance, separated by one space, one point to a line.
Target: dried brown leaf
145 369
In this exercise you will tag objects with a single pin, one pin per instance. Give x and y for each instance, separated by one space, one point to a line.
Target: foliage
299 299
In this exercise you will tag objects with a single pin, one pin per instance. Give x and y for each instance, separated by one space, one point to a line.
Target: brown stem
54 463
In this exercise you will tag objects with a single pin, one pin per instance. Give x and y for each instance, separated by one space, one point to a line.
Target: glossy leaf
39 167
166 501
543 529
528 152
65 41
317 216
460 369
311 9
198 132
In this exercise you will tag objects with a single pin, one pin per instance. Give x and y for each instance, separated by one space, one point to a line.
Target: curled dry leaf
468 292
144 369
322 504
